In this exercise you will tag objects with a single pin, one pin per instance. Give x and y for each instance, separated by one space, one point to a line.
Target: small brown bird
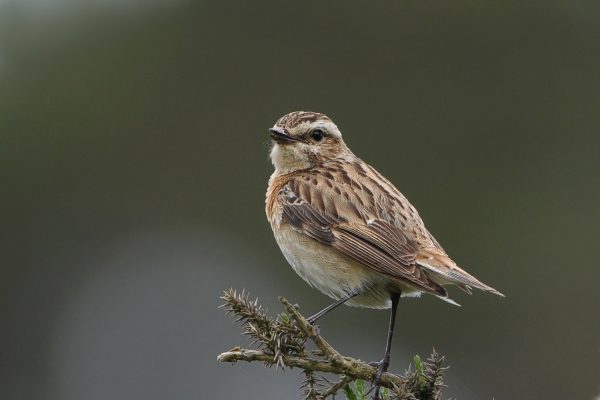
346 229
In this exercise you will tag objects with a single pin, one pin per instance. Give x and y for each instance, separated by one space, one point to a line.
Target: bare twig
352 367
335 387
310 331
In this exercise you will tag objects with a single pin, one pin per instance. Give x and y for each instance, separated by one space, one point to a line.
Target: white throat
287 159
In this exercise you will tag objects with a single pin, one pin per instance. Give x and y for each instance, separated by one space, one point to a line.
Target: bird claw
382 367
316 327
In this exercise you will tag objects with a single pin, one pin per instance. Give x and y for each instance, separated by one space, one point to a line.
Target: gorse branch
278 338
282 342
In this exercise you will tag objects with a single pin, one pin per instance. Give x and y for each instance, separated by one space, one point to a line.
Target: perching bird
346 229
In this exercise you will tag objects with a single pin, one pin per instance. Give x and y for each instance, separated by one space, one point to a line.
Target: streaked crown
295 118
298 123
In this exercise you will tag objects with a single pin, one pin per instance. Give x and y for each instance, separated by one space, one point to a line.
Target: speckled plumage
344 227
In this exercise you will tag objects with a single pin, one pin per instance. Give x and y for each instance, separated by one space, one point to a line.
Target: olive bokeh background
133 162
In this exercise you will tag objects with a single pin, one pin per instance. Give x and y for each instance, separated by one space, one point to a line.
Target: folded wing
356 232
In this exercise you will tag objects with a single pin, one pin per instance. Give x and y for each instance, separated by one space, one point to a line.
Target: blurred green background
133 166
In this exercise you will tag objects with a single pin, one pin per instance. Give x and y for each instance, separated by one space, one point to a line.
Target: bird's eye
317 134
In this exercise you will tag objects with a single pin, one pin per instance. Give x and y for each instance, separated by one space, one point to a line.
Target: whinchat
346 229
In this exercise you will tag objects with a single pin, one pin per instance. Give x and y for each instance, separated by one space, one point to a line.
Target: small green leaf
419 370
385 393
418 364
350 395
284 318
359 385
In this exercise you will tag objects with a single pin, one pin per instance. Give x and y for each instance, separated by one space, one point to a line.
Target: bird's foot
382 367
316 327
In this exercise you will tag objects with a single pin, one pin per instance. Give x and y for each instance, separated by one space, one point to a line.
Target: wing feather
373 242
442 265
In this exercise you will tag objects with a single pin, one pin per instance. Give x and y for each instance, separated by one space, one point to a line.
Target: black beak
281 137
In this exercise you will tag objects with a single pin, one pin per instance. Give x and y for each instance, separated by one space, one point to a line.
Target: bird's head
304 139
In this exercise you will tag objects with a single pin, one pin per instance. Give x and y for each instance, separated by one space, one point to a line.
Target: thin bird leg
330 307
383 365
